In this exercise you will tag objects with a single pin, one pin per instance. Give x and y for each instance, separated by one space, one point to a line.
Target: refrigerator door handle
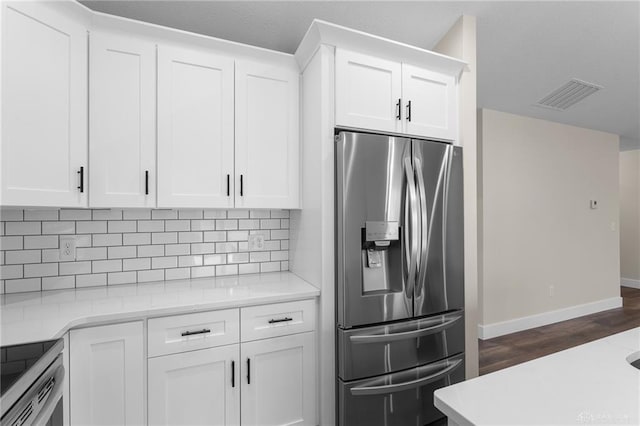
384 338
411 235
424 225
399 387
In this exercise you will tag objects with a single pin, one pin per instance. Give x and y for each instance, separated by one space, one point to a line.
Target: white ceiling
525 49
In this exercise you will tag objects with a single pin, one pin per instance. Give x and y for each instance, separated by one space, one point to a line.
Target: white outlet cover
256 242
67 248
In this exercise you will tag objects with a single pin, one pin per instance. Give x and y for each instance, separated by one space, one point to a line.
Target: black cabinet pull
399 109
241 185
228 185
146 182
191 333
409 111
248 371
285 319
233 374
81 173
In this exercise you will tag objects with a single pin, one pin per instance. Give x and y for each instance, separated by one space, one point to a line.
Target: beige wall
630 217
460 42
543 248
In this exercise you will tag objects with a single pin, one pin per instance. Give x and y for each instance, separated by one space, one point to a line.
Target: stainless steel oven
33 378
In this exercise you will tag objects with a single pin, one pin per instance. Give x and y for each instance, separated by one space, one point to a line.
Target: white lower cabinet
279 381
195 388
107 375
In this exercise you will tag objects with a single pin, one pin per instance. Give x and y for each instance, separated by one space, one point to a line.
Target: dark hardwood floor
505 351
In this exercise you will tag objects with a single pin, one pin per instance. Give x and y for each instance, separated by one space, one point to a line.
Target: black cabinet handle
228 185
409 111
81 173
285 319
248 371
191 333
233 374
241 185
146 182
399 109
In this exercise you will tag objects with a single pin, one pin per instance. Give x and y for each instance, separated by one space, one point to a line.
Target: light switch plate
67 248
256 242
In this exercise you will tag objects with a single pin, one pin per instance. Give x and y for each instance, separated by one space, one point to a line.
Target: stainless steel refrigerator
399 277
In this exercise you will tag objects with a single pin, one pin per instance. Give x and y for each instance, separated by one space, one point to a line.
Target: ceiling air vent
568 94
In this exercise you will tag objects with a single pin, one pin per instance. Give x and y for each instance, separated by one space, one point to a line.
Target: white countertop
588 384
31 317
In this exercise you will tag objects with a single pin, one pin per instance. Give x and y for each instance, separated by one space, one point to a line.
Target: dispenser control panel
381 231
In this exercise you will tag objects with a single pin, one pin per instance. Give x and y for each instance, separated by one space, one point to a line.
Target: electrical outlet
552 290
67 248
593 204
256 242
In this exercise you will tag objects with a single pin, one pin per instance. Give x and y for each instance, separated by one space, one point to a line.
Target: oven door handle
384 338
413 384
52 400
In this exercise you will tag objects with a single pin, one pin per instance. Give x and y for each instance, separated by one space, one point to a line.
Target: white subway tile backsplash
23 256
92 280
121 226
121 277
107 240
41 242
23 228
40 270
154 275
137 239
58 227
98 266
177 274
164 262
120 252
11 243
136 264
91 227
18 286
58 283
40 215
151 226
115 246
150 251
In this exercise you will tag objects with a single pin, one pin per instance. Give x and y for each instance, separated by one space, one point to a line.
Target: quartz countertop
32 317
592 383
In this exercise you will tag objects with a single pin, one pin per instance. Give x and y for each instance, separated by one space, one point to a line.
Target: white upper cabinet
195 128
279 381
122 135
368 92
267 136
195 388
430 103
44 106
107 375
387 96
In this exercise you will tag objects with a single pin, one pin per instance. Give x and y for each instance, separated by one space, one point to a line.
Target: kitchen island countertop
37 316
593 383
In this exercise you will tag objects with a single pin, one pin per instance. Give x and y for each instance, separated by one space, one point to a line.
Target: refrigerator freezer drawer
398 399
382 349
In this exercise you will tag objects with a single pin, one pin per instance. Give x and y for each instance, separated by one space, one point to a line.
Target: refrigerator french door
400 283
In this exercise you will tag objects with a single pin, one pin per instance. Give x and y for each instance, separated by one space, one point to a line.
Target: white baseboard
490 331
628 282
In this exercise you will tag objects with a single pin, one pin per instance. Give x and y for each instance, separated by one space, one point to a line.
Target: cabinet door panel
368 90
44 106
106 377
122 131
195 129
282 385
433 103
267 136
195 388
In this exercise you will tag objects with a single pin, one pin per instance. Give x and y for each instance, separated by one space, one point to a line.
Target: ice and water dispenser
381 257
